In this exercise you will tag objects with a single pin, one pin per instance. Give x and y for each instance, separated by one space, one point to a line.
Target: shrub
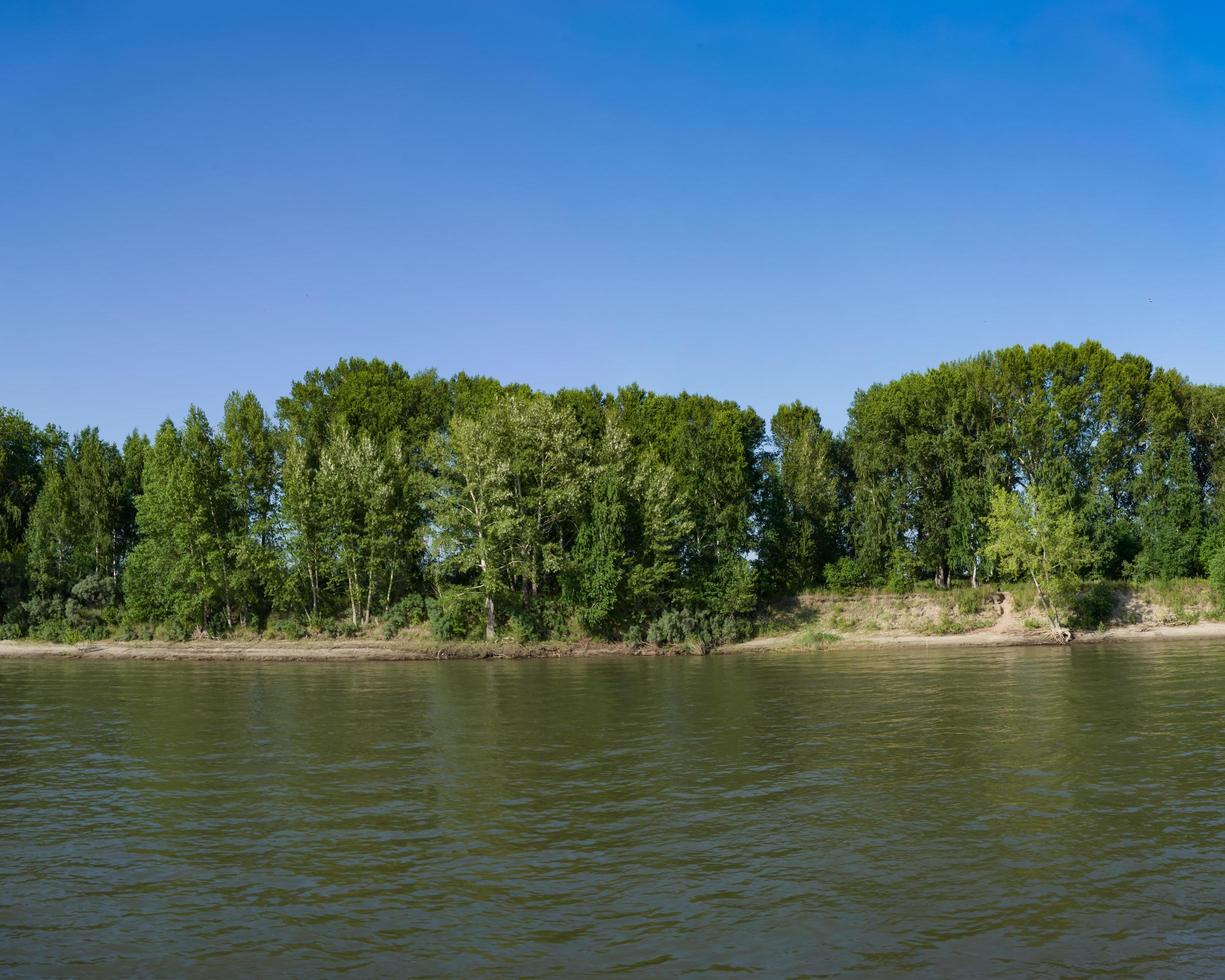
903 571
969 602
843 574
457 614
11 631
342 629
49 630
701 628
98 591
289 629
1093 607
409 611
1216 575
131 628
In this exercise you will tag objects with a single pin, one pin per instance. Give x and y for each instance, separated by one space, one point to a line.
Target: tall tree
1036 535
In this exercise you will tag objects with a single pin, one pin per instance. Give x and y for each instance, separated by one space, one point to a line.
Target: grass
816 638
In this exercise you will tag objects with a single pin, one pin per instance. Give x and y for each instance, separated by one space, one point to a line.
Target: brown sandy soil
1138 620
308 650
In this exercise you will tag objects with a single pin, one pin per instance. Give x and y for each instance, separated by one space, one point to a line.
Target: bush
1216 575
969 602
1093 607
11 631
49 630
131 628
175 630
287 629
409 611
843 574
97 591
903 571
457 614
704 629
342 629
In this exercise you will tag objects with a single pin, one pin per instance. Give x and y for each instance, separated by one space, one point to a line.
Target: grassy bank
826 618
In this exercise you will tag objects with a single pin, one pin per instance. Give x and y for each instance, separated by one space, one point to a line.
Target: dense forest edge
1058 485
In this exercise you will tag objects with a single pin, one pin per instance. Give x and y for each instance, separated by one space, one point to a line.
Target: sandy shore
993 638
369 650
308 650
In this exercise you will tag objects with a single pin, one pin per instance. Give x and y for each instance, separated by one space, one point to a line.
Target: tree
357 497
802 499
1034 534
251 451
475 524
1170 512
78 527
21 472
183 566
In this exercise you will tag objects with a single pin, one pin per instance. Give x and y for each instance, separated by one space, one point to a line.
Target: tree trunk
491 622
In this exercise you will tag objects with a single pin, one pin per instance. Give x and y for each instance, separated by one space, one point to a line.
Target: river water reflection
961 811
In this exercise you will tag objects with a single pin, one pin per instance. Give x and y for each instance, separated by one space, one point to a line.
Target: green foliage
287 629
409 611
11 631
818 639
844 574
970 602
457 614
1216 575
599 513
802 498
1036 535
701 629
1093 607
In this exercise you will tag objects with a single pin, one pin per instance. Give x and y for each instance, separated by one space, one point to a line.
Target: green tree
357 492
251 456
802 500
1170 512
79 525
476 528
1035 535
183 566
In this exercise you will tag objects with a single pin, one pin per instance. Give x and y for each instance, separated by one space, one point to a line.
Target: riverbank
312 650
1007 631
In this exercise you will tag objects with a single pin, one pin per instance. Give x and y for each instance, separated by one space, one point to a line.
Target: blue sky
764 201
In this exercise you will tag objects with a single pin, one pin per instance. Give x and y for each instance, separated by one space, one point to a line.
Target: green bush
49 630
903 571
11 631
969 602
342 629
843 574
1216 575
288 629
701 628
131 628
409 611
1093 607
457 614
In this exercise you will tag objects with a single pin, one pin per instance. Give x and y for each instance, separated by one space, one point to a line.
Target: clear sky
763 201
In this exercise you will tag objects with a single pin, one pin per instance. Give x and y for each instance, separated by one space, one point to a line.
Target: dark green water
974 813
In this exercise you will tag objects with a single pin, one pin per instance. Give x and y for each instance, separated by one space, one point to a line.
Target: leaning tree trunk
1058 630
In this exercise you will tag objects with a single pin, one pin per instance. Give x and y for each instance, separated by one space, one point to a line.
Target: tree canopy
379 495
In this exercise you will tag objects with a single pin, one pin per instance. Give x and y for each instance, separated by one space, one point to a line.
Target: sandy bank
308 650
371 650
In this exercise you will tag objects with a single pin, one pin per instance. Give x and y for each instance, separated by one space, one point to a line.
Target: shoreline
365 651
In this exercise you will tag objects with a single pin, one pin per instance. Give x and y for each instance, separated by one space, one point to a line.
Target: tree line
376 496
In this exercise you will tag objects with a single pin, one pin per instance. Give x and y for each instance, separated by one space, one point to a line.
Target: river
964 812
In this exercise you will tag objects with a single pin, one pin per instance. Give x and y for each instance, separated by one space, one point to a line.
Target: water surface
972 812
